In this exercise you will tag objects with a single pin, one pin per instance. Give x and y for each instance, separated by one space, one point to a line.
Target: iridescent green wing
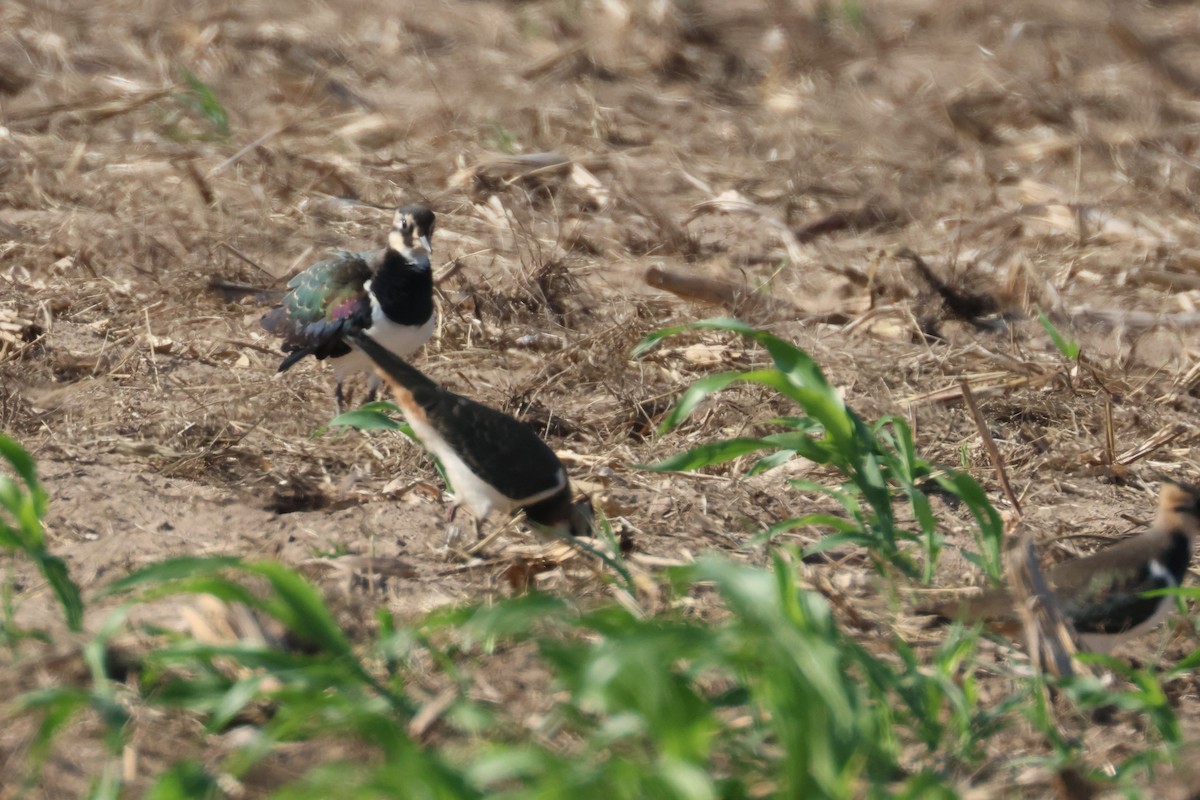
321 303
1114 602
1105 592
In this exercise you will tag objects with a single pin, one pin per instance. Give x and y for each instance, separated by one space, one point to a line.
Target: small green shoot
372 417
502 139
378 416
202 100
22 506
1069 348
877 461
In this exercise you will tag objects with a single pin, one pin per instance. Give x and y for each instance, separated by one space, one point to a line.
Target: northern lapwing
388 293
1103 594
494 462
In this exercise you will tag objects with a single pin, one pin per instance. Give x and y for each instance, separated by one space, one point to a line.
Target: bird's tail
392 368
234 291
992 606
943 613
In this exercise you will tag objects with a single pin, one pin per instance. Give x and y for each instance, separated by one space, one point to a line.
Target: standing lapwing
494 462
1104 594
388 293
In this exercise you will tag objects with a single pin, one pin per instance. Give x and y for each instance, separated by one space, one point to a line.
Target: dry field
600 170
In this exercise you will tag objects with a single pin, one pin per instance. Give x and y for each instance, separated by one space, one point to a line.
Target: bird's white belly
403 340
469 489
475 494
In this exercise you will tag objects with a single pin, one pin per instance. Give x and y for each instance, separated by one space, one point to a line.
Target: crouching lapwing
1103 595
387 293
494 462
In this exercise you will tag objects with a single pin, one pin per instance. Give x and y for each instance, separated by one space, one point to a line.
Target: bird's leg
453 532
339 395
477 521
373 384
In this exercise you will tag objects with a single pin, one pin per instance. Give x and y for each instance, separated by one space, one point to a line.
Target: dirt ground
772 160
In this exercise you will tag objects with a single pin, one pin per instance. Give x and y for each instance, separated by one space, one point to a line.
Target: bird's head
562 518
1179 507
582 518
412 231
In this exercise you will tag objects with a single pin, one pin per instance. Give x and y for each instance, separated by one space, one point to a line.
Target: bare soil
769 160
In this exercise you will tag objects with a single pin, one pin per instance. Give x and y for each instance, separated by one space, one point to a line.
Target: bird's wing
505 451
502 450
1102 592
1125 560
1112 602
322 303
